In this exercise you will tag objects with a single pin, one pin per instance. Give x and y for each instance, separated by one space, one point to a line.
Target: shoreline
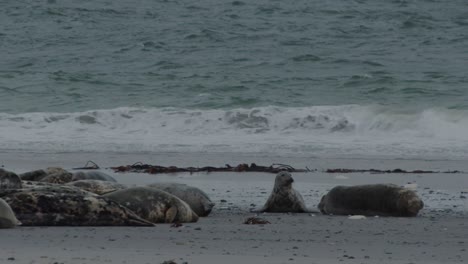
438 235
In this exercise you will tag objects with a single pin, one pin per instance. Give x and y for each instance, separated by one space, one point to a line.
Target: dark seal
371 200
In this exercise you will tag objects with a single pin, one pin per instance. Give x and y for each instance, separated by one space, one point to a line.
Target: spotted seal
97 186
154 205
45 207
284 198
7 216
196 198
371 200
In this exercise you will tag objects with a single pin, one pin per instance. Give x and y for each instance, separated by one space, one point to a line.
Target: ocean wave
316 130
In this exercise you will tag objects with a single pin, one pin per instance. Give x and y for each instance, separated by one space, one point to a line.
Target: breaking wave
316 130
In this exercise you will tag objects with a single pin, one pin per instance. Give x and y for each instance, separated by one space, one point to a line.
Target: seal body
196 198
371 200
36 175
97 186
47 206
56 175
154 205
92 175
284 198
7 216
9 180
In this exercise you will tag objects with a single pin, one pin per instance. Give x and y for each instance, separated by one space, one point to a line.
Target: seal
35 175
9 180
284 198
196 198
7 216
154 205
52 206
97 186
56 175
92 175
371 200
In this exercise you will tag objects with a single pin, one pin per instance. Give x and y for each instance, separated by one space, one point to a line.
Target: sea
372 78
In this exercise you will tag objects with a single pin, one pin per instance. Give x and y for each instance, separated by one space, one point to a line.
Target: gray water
67 56
314 77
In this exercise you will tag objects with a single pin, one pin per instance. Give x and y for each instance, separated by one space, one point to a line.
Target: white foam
320 130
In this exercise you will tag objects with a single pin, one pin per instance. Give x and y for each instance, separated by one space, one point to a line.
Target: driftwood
155 169
93 166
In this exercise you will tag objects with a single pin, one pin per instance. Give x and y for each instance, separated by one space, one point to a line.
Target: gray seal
154 205
35 175
196 198
9 180
284 198
56 175
97 186
52 206
371 200
92 175
7 216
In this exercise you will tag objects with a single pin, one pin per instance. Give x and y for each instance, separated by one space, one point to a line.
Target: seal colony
56 197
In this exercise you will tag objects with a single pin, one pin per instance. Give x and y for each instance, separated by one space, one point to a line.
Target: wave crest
346 129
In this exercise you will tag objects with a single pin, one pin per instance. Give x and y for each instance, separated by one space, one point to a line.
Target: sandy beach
438 235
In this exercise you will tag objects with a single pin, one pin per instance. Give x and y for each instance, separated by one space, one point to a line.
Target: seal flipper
171 214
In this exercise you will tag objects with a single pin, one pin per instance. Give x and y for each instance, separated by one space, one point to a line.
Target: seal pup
154 205
97 186
9 180
7 216
371 200
284 198
196 198
92 175
36 207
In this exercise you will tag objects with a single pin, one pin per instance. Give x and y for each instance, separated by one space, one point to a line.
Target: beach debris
341 170
243 167
176 224
411 186
357 217
256 221
140 167
90 165
341 177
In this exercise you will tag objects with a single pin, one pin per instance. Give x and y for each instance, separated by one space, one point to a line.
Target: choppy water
311 77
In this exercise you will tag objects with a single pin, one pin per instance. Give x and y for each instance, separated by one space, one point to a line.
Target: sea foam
316 130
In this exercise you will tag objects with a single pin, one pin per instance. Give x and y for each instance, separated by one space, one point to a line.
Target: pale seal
92 175
284 198
371 200
97 186
154 205
51 206
7 216
196 198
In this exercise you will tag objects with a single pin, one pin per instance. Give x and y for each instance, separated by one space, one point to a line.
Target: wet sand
438 235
